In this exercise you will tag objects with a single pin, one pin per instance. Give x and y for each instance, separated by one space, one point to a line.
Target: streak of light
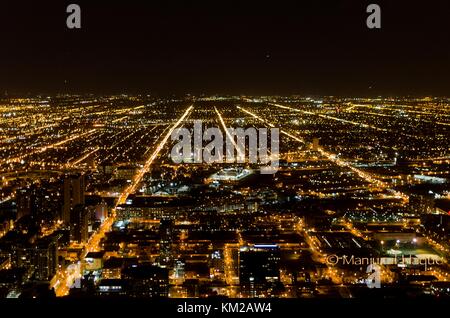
334 158
45 148
71 164
230 137
140 174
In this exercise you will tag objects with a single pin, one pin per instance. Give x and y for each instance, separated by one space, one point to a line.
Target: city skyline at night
92 181
215 158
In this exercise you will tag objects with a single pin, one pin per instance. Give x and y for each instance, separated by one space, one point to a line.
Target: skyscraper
23 201
39 258
259 266
422 203
101 211
79 222
46 258
165 243
74 188
40 200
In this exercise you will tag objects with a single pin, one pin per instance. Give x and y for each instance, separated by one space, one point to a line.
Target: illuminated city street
222 157
125 167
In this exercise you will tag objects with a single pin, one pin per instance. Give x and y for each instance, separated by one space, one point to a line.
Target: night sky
236 47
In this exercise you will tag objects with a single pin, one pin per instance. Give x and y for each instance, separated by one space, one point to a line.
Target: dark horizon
226 47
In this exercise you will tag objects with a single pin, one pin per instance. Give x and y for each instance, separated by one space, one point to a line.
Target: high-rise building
101 211
147 281
22 257
41 200
39 259
79 222
74 188
259 265
23 202
165 243
46 258
421 203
